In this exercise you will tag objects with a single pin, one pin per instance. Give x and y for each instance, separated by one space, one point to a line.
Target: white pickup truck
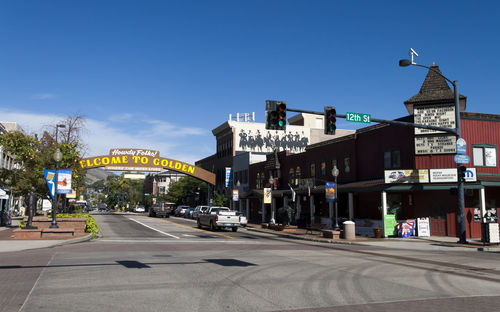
219 218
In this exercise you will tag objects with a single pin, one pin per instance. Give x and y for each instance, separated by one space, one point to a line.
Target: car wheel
234 229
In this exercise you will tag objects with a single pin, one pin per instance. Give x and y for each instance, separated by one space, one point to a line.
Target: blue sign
462 159
330 192
228 176
461 147
50 177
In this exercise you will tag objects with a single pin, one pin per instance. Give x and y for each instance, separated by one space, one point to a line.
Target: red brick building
364 158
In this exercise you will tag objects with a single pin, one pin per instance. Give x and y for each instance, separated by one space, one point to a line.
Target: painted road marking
192 228
152 228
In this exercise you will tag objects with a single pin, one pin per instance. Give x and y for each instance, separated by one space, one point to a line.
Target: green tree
33 154
219 199
187 191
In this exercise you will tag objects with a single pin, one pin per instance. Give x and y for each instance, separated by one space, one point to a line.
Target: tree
188 191
219 199
32 155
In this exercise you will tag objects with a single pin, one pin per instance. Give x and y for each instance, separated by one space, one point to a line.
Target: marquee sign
144 160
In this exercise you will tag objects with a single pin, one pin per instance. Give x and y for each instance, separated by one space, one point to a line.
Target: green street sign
358 117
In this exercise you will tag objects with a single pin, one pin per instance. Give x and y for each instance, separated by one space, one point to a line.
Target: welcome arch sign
130 159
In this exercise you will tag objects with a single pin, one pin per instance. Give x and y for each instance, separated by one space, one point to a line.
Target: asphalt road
150 264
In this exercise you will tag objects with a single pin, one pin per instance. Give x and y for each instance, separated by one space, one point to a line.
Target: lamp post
461 200
57 157
335 174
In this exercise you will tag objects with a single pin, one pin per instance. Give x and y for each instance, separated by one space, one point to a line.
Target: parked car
139 209
243 219
181 209
162 210
188 212
199 210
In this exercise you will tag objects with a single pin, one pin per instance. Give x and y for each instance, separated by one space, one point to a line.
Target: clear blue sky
163 74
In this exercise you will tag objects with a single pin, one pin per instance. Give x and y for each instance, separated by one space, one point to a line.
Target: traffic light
461 173
330 120
275 115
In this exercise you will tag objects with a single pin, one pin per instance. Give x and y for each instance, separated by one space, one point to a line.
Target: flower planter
377 233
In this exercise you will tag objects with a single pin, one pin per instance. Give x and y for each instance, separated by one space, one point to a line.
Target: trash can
349 230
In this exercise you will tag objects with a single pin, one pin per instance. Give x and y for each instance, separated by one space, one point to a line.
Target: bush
91 226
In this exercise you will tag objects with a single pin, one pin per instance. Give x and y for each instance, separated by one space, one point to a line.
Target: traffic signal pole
390 122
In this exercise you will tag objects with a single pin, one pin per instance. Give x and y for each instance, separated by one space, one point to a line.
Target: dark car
188 213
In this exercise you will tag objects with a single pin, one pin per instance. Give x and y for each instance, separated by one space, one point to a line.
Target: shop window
323 168
484 155
297 175
347 164
392 159
313 170
291 176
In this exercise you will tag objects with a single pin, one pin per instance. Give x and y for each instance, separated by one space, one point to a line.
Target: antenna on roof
413 53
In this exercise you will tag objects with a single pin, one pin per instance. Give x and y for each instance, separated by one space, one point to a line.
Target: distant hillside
96 174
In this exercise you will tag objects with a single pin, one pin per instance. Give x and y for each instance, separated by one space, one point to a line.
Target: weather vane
413 53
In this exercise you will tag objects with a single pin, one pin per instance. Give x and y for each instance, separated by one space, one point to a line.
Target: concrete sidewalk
414 243
8 244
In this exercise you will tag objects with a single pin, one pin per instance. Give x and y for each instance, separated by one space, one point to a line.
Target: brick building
369 157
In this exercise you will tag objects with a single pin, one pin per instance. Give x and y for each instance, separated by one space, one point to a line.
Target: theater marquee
144 160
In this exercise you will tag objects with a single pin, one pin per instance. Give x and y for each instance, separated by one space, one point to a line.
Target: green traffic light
280 123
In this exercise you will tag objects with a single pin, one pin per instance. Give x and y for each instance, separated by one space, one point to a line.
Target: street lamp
335 174
461 200
57 157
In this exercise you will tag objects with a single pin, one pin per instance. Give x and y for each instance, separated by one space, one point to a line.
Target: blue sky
163 74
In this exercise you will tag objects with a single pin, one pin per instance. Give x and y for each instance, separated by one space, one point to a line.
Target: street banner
64 181
236 195
267 195
50 177
228 176
330 191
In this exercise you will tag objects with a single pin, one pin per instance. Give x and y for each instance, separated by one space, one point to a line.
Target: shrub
91 226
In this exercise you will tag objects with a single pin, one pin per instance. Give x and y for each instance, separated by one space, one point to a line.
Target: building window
347 164
313 170
297 175
323 168
291 176
334 163
392 159
484 155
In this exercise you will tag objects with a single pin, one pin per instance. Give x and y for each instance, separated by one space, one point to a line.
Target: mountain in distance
96 174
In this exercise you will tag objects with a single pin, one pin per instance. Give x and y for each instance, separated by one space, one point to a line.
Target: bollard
349 230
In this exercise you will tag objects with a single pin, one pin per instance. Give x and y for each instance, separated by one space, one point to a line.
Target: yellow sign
144 160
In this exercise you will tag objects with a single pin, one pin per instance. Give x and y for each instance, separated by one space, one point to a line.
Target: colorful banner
267 195
50 177
64 181
406 228
330 192
236 196
228 176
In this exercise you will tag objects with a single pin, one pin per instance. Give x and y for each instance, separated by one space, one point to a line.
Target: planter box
76 224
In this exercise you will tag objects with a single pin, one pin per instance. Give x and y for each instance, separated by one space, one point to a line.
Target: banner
64 181
236 195
50 177
390 224
330 192
406 228
267 195
228 176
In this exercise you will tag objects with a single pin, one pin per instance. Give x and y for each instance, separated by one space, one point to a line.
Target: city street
151 264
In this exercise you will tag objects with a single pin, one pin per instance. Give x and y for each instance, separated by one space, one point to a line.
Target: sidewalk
415 243
8 244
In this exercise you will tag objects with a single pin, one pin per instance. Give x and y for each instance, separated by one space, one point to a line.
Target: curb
75 240
327 241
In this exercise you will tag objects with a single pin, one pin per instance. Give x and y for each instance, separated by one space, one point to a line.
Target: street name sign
358 117
462 159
